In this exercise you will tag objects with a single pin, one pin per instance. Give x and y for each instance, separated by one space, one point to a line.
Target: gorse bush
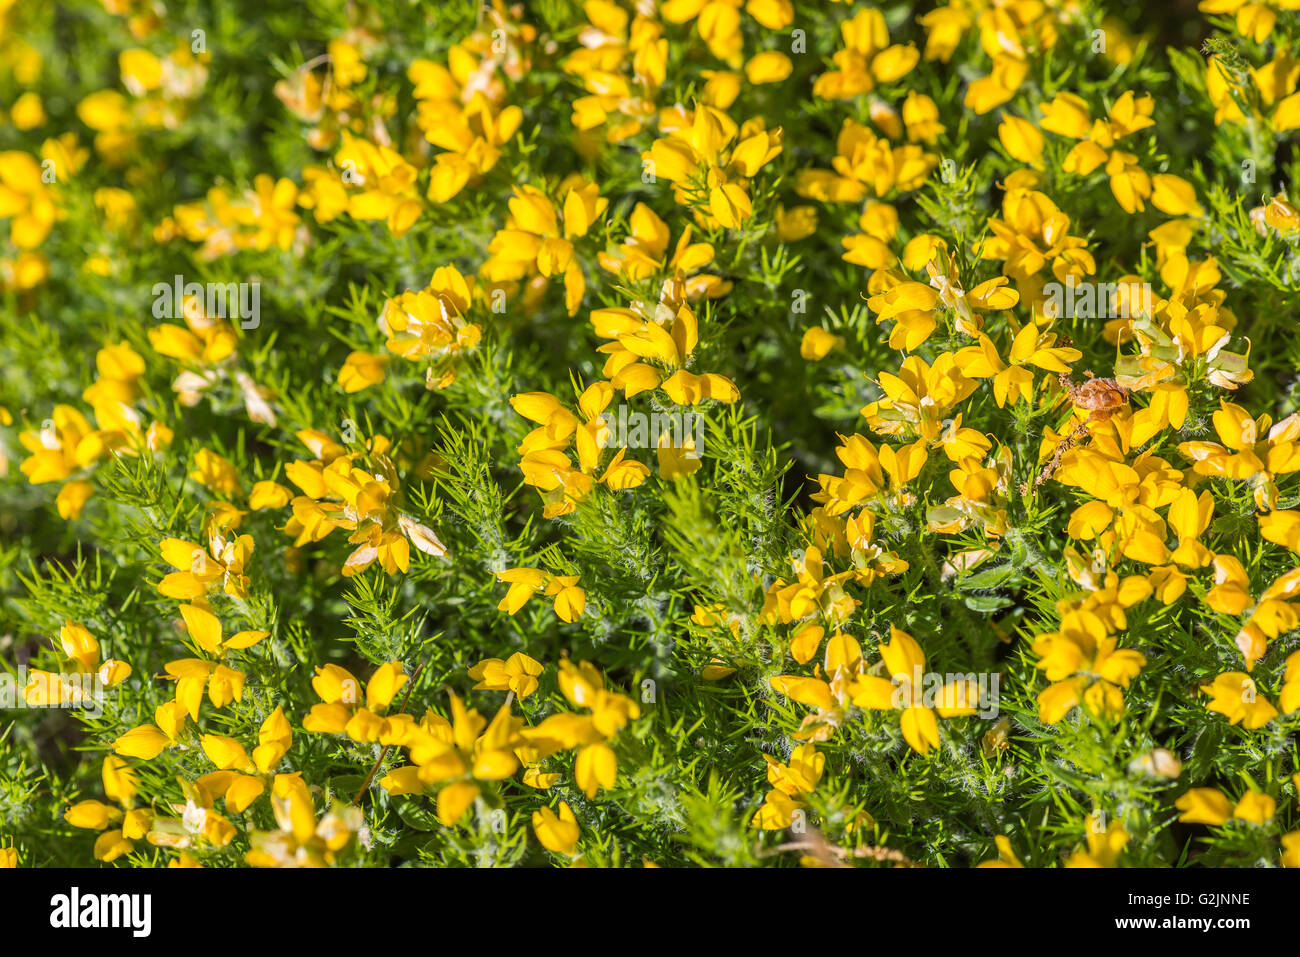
620 433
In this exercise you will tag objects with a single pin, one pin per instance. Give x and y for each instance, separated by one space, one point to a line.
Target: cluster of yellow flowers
450 757
66 448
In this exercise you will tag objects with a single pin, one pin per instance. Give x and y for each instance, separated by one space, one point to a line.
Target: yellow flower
596 766
226 753
215 473
27 113
1032 346
1253 450
1289 700
361 370
865 162
1255 808
817 343
269 494
220 566
789 782
1022 140
998 87
45 689
341 710
126 822
557 832
1034 233
147 741
92 815
205 628
301 839
428 327
569 600
905 663
796 223
1174 195
719 24
1123 515
1272 615
813 591
384 181
274 739
1234 695
1068 115
460 110
26 201
194 675
771 66
384 684
710 161
911 306
1086 666
518 673
1204 806
341 494
1291 849
653 352
455 756
644 254
1103 847
538 238
65 444
622 66
917 399
866 59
